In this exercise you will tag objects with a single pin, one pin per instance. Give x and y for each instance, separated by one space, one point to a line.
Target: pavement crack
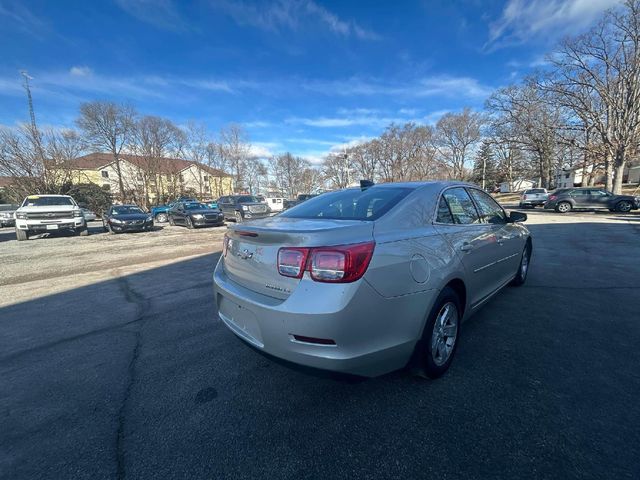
142 305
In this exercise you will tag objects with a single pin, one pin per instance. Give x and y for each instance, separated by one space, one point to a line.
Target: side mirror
517 217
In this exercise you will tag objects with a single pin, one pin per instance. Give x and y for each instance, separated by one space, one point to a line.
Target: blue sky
300 75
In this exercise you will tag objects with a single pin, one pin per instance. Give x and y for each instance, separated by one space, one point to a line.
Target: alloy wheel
624 206
445 333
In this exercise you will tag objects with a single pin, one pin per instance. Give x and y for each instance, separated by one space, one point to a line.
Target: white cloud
373 121
436 85
81 80
159 13
80 71
523 20
263 149
293 15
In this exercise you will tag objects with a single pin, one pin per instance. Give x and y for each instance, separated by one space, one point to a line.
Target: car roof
48 195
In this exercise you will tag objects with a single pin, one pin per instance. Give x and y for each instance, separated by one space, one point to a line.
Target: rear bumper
533 203
373 335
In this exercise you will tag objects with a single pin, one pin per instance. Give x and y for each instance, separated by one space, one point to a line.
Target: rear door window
444 214
461 206
490 211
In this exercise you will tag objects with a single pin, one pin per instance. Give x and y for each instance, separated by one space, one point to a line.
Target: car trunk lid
252 253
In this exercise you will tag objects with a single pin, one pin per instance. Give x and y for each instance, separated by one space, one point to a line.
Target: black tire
84 232
162 218
523 267
428 358
239 217
22 235
623 206
171 222
189 223
563 207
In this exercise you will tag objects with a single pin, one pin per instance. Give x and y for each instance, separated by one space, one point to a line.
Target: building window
206 178
105 174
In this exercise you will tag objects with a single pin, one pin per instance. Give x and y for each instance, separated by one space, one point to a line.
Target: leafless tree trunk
108 127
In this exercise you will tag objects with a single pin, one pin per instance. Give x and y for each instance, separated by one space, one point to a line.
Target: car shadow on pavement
136 377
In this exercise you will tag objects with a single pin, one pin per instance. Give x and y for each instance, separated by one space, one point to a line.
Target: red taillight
339 264
553 197
291 261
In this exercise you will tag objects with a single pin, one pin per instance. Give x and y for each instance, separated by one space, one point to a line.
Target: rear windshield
126 210
351 204
536 190
248 199
37 201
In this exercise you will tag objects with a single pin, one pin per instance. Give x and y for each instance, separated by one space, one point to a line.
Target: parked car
299 199
365 280
161 212
534 197
127 218
47 214
276 204
89 216
242 207
193 214
211 203
7 211
566 199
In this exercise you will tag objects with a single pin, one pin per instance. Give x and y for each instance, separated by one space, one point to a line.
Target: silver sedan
368 280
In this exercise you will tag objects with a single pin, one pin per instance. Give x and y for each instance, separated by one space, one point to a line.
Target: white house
516 186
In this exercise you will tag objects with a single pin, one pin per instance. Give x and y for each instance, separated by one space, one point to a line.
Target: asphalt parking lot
116 367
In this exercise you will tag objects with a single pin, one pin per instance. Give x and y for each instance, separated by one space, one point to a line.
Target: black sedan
126 218
194 214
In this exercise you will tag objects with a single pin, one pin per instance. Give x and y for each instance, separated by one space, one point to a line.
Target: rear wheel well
458 286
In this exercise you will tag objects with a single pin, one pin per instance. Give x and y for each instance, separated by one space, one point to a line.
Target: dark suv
243 207
566 199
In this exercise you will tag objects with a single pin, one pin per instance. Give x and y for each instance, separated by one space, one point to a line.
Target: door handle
466 247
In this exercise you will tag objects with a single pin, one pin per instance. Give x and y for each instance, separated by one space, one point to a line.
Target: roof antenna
364 184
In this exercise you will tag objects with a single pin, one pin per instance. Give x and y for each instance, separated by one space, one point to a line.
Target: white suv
49 213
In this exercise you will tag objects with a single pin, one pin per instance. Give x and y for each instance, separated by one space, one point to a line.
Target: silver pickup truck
533 197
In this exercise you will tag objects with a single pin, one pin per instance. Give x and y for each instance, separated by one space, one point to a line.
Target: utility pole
34 129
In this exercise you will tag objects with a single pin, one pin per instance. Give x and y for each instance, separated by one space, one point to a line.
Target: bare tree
108 126
287 172
597 76
153 139
235 148
37 165
336 169
256 175
457 134
523 118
